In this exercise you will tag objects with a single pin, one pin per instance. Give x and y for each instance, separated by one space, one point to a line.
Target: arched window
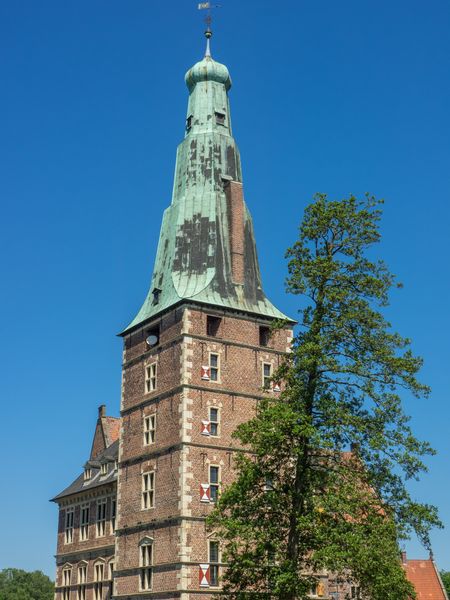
66 580
146 563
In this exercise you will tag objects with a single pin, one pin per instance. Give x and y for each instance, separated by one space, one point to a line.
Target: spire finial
208 20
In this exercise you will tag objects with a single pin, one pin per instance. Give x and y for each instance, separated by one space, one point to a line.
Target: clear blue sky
339 97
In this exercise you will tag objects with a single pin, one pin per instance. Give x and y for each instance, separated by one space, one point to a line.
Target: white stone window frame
146 561
69 521
267 379
149 429
103 469
82 577
84 523
66 581
87 474
148 490
214 485
214 566
100 518
213 422
151 377
99 578
214 369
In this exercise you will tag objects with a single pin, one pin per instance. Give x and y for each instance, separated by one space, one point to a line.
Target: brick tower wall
181 454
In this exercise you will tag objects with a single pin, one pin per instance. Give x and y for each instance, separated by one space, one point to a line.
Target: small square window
220 118
214 421
212 325
264 336
214 367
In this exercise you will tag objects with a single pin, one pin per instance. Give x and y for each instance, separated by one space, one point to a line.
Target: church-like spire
206 252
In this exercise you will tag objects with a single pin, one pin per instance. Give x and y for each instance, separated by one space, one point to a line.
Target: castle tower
197 357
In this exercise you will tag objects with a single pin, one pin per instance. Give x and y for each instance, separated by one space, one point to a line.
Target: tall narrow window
84 522
150 378
87 473
355 592
213 563
68 530
148 490
100 525
146 558
66 576
212 325
214 483
99 573
81 581
104 469
111 580
214 367
214 421
266 375
149 430
113 514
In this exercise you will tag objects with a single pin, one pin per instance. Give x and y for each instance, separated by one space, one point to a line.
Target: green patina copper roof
193 261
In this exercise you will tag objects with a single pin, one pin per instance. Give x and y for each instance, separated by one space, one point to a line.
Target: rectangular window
214 421
111 581
84 522
212 325
68 529
355 592
104 469
87 473
267 375
149 430
189 122
148 490
100 526
99 571
150 378
213 563
113 514
82 579
66 576
146 556
220 118
214 367
214 483
264 336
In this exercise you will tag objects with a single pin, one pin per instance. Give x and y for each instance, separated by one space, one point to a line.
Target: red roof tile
423 575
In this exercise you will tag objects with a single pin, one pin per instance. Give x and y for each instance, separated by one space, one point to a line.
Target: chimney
404 561
101 411
235 206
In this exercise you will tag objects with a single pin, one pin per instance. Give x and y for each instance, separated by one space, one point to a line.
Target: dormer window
189 122
87 473
156 294
220 118
104 469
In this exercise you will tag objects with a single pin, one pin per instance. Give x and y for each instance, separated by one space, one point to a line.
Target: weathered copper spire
207 252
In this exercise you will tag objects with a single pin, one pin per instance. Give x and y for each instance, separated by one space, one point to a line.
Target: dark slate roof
109 456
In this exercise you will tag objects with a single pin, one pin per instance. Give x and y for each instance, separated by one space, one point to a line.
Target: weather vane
208 6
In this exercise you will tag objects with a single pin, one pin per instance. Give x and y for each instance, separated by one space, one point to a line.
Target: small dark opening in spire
156 294
220 118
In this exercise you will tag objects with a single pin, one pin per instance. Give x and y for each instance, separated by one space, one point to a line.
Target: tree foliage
303 502
16 584
445 576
